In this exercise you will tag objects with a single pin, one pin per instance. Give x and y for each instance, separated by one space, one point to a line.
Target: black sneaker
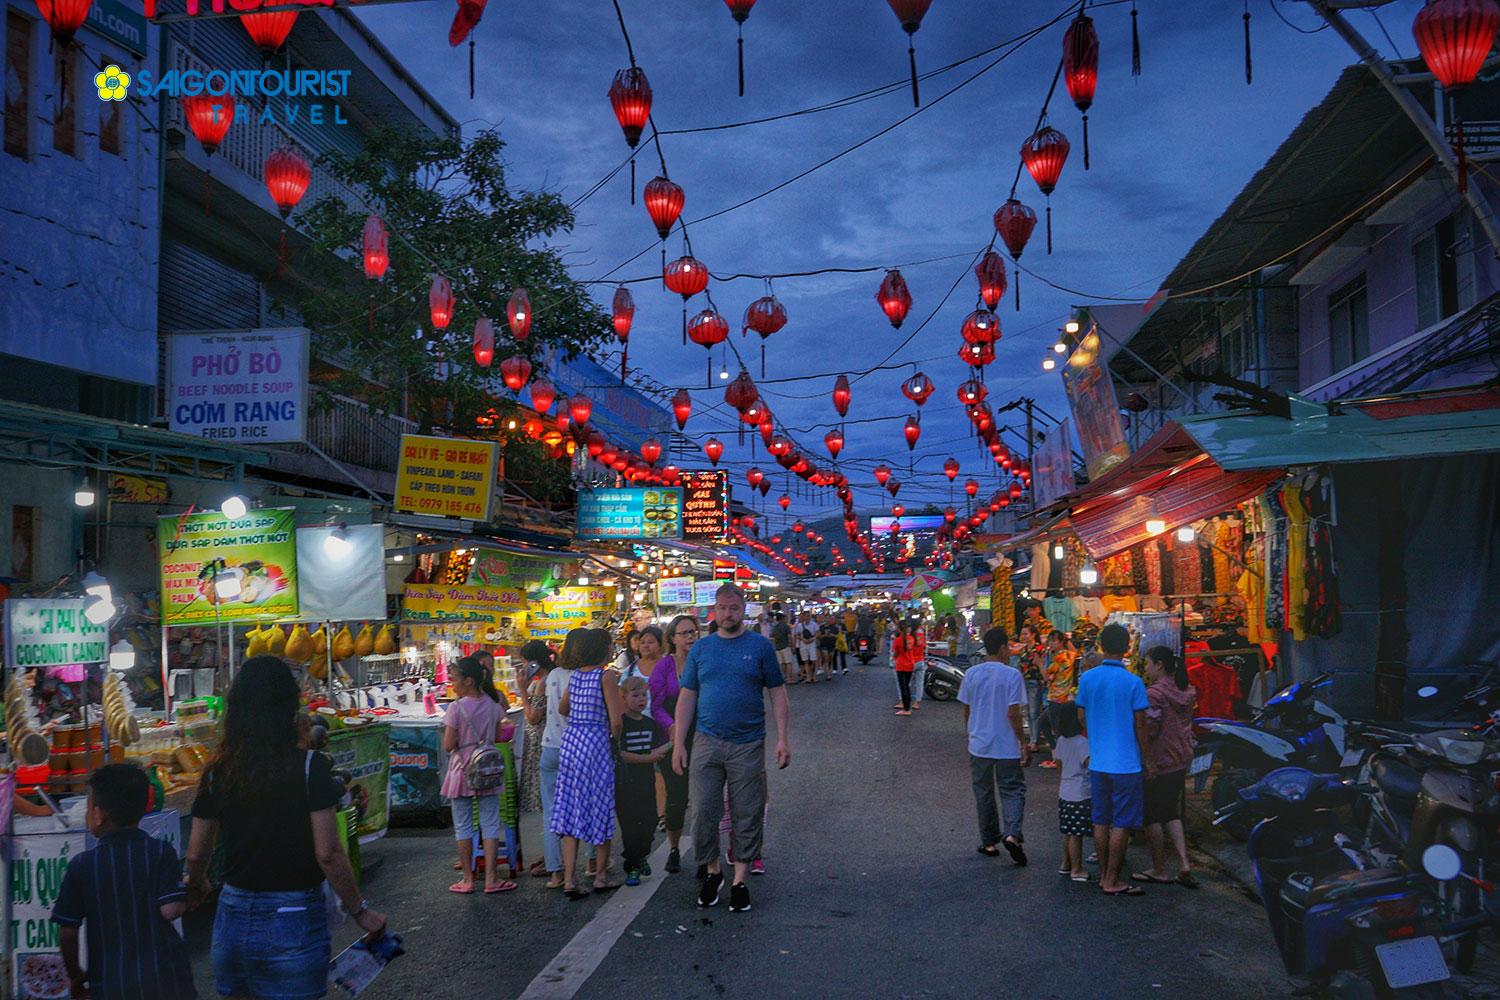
674 862
708 893
739 898
645 869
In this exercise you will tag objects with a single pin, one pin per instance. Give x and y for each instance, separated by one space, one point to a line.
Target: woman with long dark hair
584 807
555 726
538 659
475 720
909 647
272 804
664 688
1168 752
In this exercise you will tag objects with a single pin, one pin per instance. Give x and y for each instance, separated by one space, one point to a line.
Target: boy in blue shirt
1112 710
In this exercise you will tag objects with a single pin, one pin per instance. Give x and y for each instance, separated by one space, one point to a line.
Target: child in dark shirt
127 890
642 745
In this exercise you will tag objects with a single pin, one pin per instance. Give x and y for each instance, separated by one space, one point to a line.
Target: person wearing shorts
1169 751
781 641
1112 710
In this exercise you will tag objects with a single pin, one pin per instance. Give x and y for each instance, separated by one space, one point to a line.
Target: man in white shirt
993 695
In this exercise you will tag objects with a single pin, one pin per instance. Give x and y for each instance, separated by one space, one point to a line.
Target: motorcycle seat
1374 882
1396 779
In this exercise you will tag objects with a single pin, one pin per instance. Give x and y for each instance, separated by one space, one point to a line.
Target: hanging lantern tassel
1085 140
1463 160
624 361
281 253
1049 227
471 69
1018 287
911 53
1247 42
684 333
742 60
762 359
1135 42
632 181
370 317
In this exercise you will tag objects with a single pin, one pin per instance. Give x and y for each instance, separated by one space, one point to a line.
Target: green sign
51 632
365 753
258 578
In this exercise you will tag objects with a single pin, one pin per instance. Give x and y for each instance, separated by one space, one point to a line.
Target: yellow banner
444 477
552 618
464 613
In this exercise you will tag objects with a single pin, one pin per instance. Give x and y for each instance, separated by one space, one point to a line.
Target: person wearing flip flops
1074 811
475 719
1112 707
993 694
1169 751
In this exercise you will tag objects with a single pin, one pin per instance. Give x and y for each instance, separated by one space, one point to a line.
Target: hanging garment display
1002 603
1218 685
1168 572
1060 612
1041 565
1296 560
1275 517
1322 613
1187 569
1151 553
1089 606
1139 579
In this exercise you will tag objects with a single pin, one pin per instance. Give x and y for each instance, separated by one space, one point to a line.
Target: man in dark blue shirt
723 685
127 890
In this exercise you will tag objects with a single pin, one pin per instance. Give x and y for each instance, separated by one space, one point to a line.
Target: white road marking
571 967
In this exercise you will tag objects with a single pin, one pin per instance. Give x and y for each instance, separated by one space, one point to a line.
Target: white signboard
341 582
675 590
51 632
245 386
704 591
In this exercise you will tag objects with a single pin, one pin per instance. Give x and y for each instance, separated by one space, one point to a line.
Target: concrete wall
78 258
55 525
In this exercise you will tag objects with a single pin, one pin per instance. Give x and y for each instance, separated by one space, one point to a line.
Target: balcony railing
354 433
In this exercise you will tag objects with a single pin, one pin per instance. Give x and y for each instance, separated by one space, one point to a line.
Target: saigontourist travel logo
284 96
112 82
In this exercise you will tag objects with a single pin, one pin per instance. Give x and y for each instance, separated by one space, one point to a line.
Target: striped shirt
117 890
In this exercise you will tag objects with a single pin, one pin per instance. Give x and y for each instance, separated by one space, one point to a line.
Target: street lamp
234 507
1071 327
84 496
1048 364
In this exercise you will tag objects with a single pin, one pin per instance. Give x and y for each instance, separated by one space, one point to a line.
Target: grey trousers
987 773
742 766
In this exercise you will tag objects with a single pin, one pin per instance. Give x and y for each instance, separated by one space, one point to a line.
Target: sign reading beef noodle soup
705 505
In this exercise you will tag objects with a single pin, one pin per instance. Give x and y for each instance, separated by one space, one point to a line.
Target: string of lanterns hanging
630 97
1044 153
1081 69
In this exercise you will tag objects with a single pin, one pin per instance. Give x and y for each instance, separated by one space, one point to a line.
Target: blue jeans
271 945
917 677
551 842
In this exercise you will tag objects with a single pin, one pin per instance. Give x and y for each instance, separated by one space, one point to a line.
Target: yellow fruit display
343 644
320 642
275 640
255 644
318 667
385 642
299 647
364 644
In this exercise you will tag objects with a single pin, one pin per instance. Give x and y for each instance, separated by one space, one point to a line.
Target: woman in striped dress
584 806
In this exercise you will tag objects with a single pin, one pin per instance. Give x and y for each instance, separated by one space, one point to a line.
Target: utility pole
1441 149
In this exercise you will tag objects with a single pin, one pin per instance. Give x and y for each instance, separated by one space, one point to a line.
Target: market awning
1169 478
1459 422
746 559
1054 527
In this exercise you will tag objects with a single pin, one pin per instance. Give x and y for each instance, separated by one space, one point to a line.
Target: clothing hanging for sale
1152 553
1060 612
1187 568
1002 601
1041 565
1218 685
1276 555
1296 560
1322 617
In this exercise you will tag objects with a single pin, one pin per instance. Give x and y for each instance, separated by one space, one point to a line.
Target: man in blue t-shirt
1112 708
722 693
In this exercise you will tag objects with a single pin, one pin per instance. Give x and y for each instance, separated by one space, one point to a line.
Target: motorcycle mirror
1441 862
1426 692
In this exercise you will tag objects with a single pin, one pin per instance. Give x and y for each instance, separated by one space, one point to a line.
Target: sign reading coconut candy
446 477
705 505
51 632
239 385
675 590
259 576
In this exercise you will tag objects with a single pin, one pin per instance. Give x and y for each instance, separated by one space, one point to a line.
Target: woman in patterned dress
538 664
584 807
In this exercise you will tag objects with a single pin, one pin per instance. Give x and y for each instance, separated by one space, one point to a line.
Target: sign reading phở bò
257 581
632 512
51 632
247 386
705 505
446 477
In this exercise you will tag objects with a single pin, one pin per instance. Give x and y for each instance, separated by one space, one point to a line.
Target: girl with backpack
474 723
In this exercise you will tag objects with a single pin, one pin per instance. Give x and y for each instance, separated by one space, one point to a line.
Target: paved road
874 890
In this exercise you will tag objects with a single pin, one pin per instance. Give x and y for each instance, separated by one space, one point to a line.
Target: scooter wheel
1224 792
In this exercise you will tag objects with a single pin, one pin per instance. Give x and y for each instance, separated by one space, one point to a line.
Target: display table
417 765
364 753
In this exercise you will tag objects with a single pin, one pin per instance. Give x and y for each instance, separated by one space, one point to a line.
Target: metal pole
1413 109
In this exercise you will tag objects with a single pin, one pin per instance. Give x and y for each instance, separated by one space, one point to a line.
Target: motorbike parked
1357 931
1293 729
943 679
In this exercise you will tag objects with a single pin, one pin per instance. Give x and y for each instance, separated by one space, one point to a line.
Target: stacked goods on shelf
119 712
23 732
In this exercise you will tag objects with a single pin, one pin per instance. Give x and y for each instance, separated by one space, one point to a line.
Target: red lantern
64 17
893 487
542 395
971 488
972 392
714 449
779 447
1015 224
707 329
440 302
484 341
651 450
1045 153
1081 69
950 469
977 355
797 527
1015 491
630 96
767 427
687 276
766 315
917 388
580 408
981 327
894 297
209 117
739 10
882 473
287 176
664 199
624 313
377 248
742 395
910 14
753 476
682 407
518 309
841 395
514 372
269 30
950 515
834 440
784 501
1455 37
897 510
912 430
991 274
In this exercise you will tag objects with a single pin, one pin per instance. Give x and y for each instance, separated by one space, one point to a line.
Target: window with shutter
18 33
1435 260
1349 324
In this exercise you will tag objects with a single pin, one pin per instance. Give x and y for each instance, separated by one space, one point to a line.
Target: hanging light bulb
1048 364
723 373
95 585
1186 533
84 495
1071 327
337 545
121 656
1155 526
1088 576
234 507
1059 348
1058 551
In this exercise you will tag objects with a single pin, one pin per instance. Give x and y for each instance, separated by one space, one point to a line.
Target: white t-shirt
557 723
990 689
1072 756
